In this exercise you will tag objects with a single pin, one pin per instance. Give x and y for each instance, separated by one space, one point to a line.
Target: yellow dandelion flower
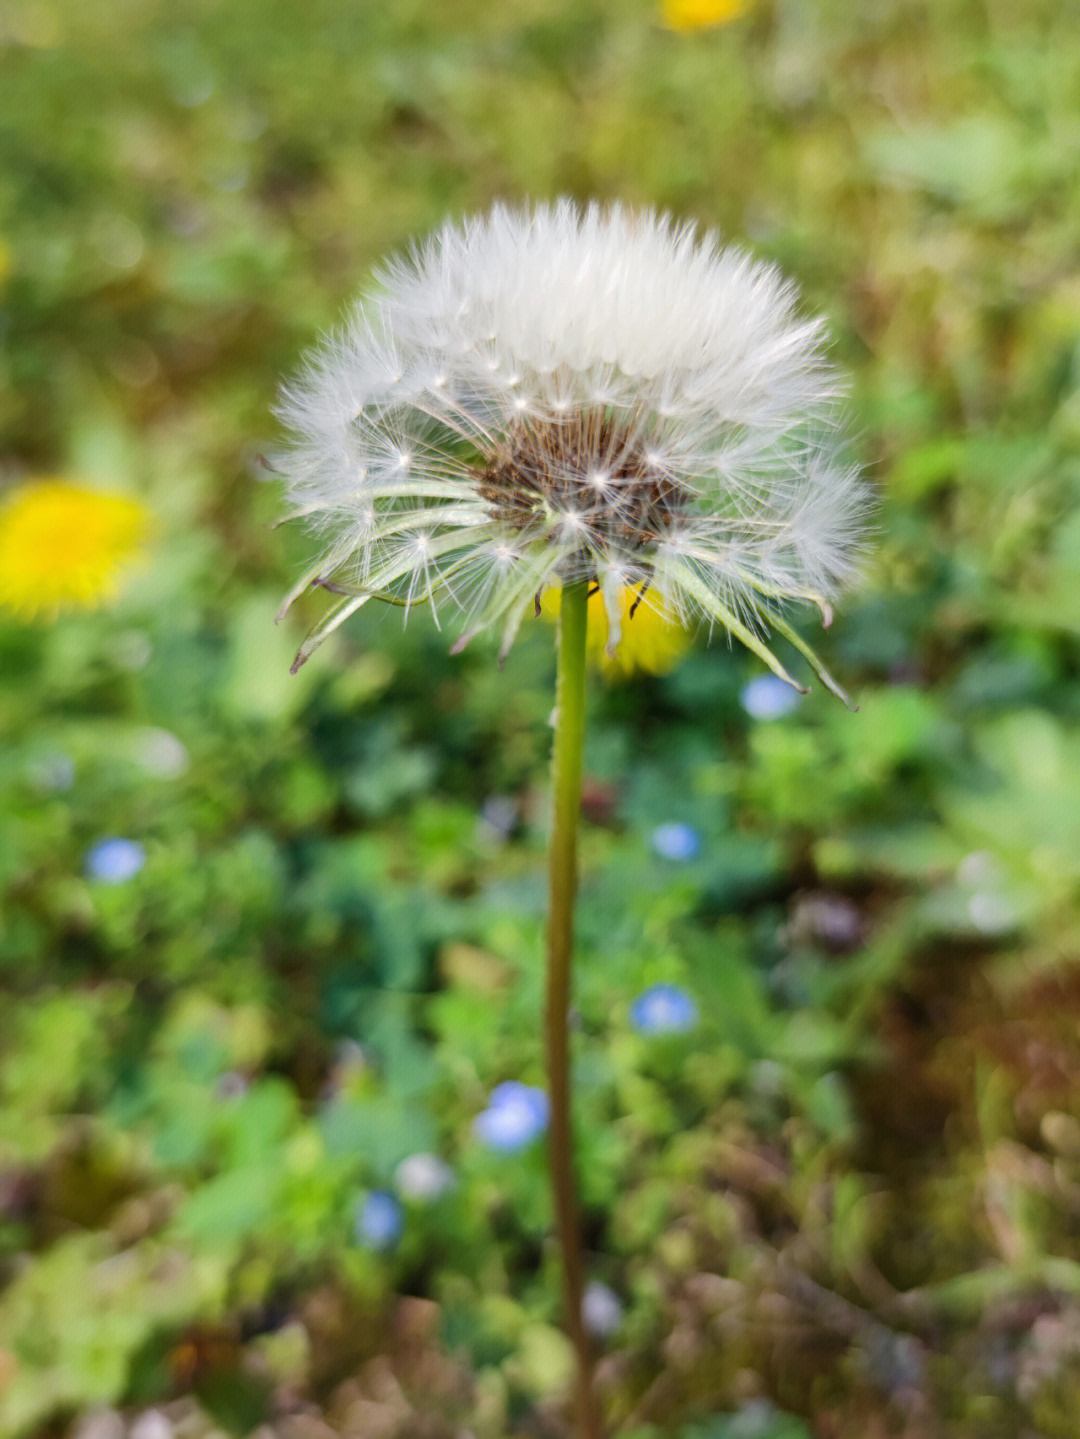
688 15
64 547
653 639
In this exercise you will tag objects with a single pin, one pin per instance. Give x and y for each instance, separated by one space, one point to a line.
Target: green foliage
333 951
754 1422
75 1320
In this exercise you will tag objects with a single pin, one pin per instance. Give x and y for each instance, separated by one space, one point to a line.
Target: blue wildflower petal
379 1220
516 1115
114 860
663 1009
676 841
767 698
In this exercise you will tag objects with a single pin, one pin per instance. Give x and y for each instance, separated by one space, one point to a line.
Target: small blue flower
114 860
515 1116
676 841
379 1220
767 697
663 1009
601 1309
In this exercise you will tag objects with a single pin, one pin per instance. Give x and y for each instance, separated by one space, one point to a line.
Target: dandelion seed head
572 394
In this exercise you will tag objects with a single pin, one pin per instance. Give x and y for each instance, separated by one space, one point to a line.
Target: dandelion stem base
566 786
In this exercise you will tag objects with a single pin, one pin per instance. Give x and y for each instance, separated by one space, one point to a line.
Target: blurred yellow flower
687 15
653 639
5 262
64 547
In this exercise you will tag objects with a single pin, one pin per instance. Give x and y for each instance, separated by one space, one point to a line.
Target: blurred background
271 1152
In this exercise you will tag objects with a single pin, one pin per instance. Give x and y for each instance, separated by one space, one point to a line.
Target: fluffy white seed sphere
549 394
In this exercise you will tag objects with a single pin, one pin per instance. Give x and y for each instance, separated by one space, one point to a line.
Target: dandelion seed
601 395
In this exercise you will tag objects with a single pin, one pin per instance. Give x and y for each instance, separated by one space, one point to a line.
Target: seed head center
583 472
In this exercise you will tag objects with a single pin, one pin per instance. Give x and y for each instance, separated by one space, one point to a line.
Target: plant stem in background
566 787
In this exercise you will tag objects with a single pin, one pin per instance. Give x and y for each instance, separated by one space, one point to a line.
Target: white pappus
544 395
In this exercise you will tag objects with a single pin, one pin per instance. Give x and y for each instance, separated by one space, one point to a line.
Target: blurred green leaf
375 1135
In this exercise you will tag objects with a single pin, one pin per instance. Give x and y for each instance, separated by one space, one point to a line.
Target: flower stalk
566 794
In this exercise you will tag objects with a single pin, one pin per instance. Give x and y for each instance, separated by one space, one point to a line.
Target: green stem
566 787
